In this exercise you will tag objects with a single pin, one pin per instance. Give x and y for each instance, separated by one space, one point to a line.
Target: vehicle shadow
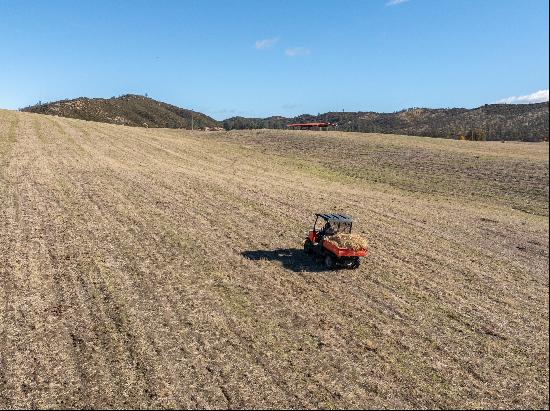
294 259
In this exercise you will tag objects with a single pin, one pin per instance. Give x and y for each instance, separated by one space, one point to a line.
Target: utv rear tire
330 262
308 247
355 263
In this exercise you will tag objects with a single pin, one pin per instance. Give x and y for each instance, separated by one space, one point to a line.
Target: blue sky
260 58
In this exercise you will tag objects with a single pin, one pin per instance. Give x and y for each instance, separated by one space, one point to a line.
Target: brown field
155 268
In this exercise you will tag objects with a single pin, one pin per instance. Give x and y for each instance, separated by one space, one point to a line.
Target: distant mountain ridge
129 109
527 122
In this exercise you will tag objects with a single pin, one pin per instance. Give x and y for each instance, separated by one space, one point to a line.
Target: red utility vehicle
331 254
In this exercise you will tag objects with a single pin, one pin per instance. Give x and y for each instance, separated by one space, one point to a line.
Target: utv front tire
308 247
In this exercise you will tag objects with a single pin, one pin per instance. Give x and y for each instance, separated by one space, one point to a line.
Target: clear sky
261 58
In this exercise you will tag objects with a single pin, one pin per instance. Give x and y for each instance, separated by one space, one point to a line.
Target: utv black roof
335 218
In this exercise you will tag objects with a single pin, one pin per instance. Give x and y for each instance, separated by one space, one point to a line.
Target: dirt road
159 268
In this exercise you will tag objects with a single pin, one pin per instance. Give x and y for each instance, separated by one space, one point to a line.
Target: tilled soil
144 268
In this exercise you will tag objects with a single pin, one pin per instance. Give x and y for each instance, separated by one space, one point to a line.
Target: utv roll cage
339 223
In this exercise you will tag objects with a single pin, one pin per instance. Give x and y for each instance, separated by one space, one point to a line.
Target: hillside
129 110
158 268
527 122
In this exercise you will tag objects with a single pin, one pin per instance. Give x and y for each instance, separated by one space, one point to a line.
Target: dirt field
150 268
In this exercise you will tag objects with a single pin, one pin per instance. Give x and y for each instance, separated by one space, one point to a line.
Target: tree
475 135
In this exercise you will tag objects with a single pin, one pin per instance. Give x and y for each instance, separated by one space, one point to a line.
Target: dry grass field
150 268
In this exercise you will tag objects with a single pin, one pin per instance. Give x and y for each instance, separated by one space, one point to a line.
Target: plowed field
155 268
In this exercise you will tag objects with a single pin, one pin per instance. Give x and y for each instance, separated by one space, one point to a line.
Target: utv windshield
333 227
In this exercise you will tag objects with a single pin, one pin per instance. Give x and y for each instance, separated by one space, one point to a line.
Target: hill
527 122
129 110
150 268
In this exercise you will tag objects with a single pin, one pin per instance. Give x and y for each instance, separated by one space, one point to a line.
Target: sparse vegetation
528 122
506 122
129 110
157 268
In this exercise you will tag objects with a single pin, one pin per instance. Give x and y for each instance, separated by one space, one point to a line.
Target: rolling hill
129 110
147 268
527 122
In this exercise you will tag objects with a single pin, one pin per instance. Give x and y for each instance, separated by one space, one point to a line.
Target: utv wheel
308 247
330 262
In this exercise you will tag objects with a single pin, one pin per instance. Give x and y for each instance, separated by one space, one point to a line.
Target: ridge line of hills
128 110
527 122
